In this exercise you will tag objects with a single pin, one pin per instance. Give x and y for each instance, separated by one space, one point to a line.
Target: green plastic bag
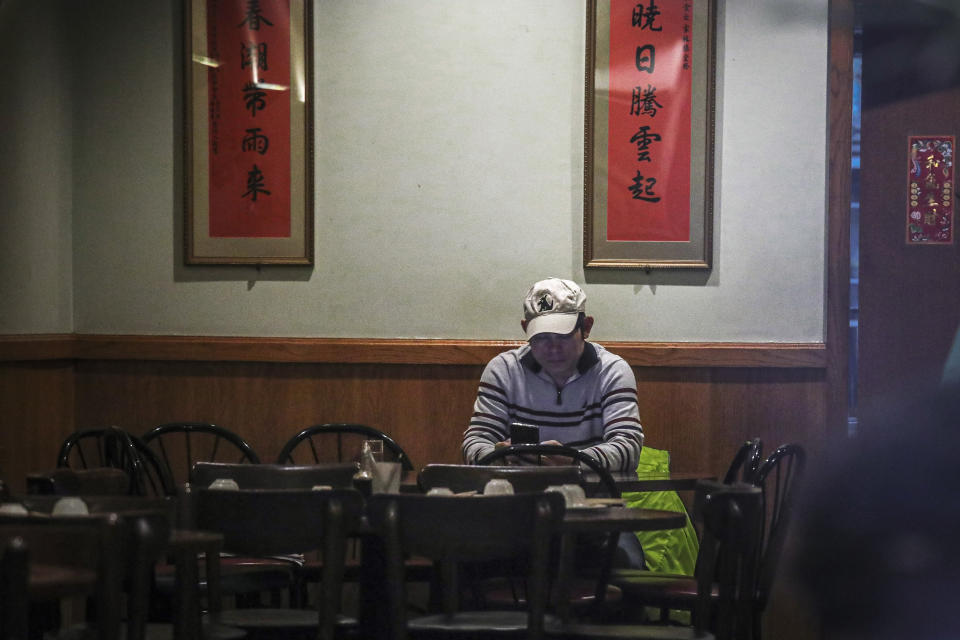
671 550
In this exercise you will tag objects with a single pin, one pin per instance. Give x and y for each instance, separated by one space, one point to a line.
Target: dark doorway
909 295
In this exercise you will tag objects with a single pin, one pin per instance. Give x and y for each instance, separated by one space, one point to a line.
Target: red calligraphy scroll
249 118
648 153
930 177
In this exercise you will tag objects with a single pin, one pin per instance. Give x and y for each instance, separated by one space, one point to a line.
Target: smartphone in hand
524 433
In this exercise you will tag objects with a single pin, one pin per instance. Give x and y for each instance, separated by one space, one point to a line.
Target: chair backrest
778 477
284 521
727 566
450 530
531 454
114 447
180 444
338 442
144 525
275 476
745 462
63 481
468 477
84 548
14 603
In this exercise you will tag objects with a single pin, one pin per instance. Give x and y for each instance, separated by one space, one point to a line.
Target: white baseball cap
553 306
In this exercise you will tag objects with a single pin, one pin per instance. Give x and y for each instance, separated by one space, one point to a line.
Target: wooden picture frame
248 132
649 134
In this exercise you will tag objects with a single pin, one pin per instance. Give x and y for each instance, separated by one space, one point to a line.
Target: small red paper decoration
930 178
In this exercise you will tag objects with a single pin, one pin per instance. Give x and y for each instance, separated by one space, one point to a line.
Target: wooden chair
69 557
745 462
466 478
181 444
731 516
14 602
590 594
777 478
145 525
451 530
275 476
295 573
63 481
460 478
114 447
530 454
258 523
338 442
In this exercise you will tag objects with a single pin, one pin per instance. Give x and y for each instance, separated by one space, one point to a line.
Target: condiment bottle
363 478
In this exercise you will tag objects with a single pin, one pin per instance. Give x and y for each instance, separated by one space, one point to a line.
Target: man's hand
555 461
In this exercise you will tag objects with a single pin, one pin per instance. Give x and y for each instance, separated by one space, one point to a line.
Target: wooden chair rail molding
387 351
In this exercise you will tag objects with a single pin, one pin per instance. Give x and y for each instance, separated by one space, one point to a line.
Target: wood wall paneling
424 407
697 401
389 351
37 402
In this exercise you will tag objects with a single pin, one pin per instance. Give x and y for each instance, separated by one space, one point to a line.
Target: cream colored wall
449 144
36 271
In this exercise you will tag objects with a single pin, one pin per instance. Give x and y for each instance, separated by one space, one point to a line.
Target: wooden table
606 519
625 481
630 481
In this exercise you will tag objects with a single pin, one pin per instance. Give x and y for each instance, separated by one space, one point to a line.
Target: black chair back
531 454
63 481
114 447
451 530
778 478
81 546
271 522
338 442
275 476
745 462
180 444
144 524
727 570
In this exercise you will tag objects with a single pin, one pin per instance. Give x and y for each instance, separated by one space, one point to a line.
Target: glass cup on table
376 449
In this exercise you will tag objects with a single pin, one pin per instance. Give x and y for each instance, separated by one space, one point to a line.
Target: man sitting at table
577 392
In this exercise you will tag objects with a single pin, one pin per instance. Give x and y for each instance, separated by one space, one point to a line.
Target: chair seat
675 591
417 570
152 631
578 631
503 593
473 622
238 575
211 631
269 621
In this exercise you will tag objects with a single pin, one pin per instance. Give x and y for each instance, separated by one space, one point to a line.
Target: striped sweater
595 410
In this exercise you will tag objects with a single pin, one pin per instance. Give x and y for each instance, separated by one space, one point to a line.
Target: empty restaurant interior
448 174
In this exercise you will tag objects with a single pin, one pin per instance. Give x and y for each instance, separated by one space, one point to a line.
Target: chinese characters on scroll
649 133
649 142
249 108
249 131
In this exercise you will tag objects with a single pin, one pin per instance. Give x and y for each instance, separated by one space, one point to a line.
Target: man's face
558 354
